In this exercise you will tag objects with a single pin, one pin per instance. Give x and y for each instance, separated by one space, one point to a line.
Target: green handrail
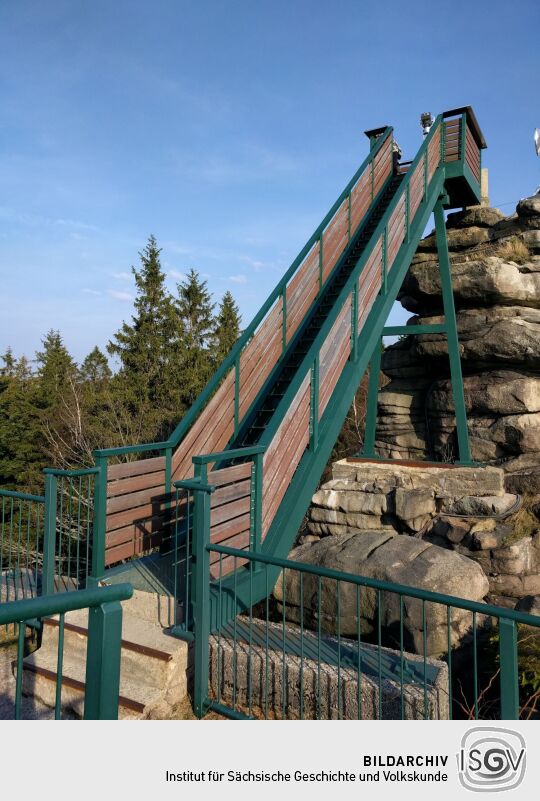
192 414
85 471
234 453
47 605
22 496
378 584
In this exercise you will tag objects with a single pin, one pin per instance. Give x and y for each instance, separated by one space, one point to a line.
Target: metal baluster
59 668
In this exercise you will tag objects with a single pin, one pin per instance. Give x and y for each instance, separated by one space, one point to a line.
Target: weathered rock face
496 278
460 509
402 560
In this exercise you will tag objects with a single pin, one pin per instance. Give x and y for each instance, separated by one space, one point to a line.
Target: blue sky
226 129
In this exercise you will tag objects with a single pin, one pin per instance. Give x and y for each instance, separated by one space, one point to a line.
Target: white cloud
123 296
238 279
122 276
177 275
91 291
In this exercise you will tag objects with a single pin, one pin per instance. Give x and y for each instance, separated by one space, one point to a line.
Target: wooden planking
396 232
240 542
230 512
125 517
229 528
297 442
277 448
134 500
382 165
472 154
284 453
360 199
149 527
260 356
372 270
302 290
139 534
143 481
335 238
256 381
371 295
338 363
335 345
227 475
210 432
417 189
229 564
452 140
230 492
369 284
434 153
141 466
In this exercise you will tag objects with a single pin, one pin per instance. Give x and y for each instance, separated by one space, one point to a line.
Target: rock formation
460 509
496 277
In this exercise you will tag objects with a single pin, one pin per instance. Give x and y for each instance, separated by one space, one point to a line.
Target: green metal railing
21 544
103 651
69 525
329 644
191 510
46 542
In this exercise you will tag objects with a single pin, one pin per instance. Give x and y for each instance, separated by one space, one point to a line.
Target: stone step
153 607
39 681
148 652
153 674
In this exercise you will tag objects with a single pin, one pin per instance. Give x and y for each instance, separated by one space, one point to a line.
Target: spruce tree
95 367
148 348
195 310
56 369
227 328
22 456
10 364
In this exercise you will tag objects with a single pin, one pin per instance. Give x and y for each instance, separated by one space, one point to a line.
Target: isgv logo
491 760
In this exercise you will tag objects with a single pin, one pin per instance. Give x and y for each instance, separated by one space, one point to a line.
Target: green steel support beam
408 330
321 263
354 322
236 393
257 489
451 333
201 606
407 212
97 567
284 320
168 470
508 654
371 406
314 406
103 662
49 537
